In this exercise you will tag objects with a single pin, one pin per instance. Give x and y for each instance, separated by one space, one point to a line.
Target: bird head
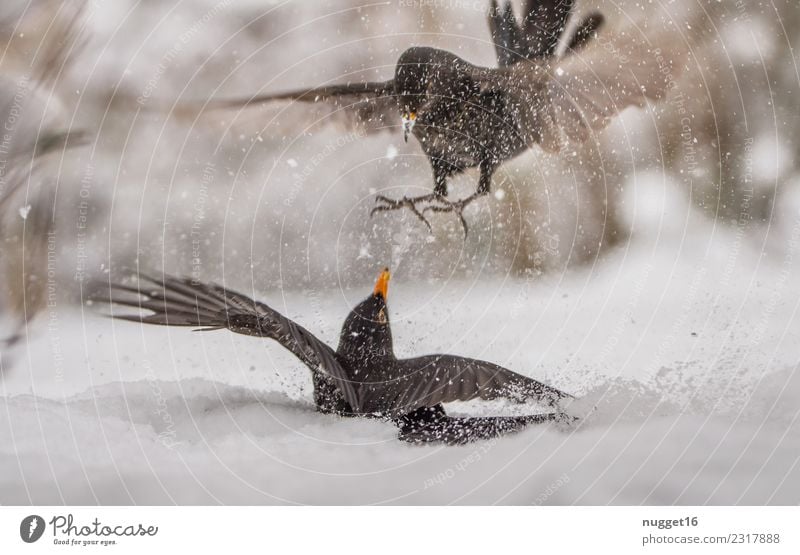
366 334
411 80
409 118
424 75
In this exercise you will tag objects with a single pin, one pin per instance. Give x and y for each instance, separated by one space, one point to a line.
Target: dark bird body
362 377
461 126
467 116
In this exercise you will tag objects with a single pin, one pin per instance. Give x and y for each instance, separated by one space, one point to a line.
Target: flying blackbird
467 116
362 377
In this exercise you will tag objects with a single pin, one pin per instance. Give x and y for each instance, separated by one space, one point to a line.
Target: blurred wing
536 35
369 107
429 380
586 89
585 31
185 302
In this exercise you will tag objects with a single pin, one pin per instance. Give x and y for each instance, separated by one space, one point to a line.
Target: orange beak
382 285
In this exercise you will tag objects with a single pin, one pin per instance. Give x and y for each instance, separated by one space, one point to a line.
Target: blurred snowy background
654 270
251 196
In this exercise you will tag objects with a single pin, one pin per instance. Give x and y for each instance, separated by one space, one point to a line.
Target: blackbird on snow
362 377
557 83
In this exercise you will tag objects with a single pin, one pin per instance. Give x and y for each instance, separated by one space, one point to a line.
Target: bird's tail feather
459 430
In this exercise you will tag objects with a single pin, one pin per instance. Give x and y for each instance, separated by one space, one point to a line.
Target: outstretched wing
585 31
584 90
429 380
185 302
535 36
369 107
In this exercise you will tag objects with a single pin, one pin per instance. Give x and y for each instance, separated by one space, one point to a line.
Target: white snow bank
198 441
683 345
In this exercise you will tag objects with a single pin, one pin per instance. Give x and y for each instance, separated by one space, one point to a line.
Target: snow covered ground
683 344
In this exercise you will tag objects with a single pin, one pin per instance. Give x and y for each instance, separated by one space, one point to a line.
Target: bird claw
440 204
456 207
405 202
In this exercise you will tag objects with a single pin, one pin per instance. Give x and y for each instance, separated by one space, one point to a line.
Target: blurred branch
33 132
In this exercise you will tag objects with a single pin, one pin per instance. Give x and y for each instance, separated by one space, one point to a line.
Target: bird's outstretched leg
456 207
386 204
441 171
